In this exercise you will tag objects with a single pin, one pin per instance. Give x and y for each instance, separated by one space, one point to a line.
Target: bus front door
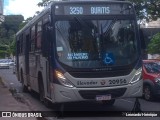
46 47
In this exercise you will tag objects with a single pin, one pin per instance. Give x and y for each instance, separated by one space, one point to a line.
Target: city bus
81 51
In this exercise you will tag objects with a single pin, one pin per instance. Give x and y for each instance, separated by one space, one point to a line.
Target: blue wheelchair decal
109 59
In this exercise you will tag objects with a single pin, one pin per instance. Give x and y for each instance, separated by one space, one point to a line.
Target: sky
27 8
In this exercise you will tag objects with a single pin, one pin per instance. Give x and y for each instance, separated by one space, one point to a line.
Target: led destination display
93 9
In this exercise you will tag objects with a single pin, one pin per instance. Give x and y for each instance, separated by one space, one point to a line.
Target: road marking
127 100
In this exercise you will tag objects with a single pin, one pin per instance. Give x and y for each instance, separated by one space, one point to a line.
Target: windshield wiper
110 26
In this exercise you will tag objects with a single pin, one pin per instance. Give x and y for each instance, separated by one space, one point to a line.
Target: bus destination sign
81 11
92 9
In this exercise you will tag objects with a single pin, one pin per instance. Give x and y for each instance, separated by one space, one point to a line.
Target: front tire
41 88
58 109
42 98
148 93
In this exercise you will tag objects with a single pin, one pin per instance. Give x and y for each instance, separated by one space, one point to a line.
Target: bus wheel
24 87
147 93
58 109
42 98
47 103
108 102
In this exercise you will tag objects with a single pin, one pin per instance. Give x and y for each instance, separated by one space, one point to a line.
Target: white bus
80 51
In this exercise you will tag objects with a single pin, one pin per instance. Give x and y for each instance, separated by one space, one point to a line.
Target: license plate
103 97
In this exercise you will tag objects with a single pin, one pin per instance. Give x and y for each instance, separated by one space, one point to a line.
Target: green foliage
2 53
8 30
3 47
147 9
154 45
44 3
25 22
13 47
12 22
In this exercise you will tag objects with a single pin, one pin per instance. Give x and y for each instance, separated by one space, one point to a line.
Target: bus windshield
84 43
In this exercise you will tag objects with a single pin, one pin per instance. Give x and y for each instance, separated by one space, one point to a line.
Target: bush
154 45
2 54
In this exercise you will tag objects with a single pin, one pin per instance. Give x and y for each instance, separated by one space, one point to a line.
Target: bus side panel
39 66
32 71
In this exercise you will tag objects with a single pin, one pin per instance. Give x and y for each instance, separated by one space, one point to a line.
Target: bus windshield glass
85 43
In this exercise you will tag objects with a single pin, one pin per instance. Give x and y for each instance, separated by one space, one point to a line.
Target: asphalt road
94 108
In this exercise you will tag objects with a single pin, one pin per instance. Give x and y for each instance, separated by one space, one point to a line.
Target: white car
11 62
4 63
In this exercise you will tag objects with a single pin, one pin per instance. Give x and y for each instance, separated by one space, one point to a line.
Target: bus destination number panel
93 9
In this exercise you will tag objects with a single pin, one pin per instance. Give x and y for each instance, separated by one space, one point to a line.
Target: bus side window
45 40
33 29
18 47
21 44
39 35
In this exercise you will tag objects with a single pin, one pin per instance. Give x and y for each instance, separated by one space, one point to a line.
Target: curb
2 83
19 97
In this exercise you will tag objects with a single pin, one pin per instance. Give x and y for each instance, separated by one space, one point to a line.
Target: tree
8 30
12 22
23 23
44 3
153 46
12 47
145 9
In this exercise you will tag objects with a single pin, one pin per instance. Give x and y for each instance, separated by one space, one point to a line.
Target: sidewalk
9 103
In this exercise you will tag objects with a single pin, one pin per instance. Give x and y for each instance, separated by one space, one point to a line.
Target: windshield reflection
96 43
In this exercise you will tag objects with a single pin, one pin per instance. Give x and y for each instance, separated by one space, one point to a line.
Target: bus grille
100 74
91 94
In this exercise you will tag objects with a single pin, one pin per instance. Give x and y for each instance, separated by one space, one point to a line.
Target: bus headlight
137 76
63 80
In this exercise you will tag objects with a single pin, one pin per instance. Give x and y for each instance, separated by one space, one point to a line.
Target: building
1 11
1 7
153 24
150 29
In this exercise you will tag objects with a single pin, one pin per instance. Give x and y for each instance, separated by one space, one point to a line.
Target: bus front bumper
65 94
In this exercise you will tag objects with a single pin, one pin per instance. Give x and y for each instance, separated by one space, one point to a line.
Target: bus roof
43 12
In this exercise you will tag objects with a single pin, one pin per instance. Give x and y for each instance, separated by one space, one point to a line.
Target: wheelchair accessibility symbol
109 59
